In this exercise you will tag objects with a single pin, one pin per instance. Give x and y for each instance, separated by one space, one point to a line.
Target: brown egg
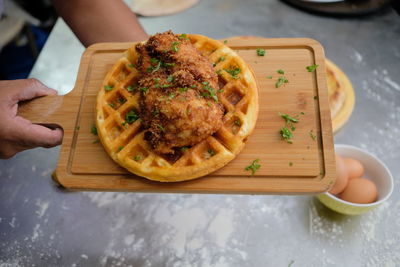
354 168
342 176
360 190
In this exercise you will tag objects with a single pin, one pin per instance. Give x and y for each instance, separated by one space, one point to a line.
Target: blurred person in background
92 21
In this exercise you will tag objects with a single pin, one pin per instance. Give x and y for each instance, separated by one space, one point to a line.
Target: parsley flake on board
281 80
287 134
280 71
312 135
269 77
225 41
260 52
253 167
312 68
286 131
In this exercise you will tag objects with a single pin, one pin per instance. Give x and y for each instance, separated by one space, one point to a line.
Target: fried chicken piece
179 103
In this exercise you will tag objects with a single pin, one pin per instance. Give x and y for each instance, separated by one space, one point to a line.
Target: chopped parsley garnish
93 129
184 148
156 67
302 113
183 89
312 135
166 85
260 52
175 46
144 89
290 164
287 134
280 71
218 72
154 60
171 95
237 123
130 88
111 105
225 41
183 36
193 86
121 100
120 148
210 91
209 154
233 72
269 77
169 64
137 158
170 78
155 112
290 264
253 167
108 87
286 131
131 65
96 141
288 118
312 68
281 80
131 116
222 58
161 127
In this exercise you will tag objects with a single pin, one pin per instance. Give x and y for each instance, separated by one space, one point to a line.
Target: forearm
95 21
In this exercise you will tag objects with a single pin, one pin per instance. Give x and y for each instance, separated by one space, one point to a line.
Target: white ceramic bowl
375 170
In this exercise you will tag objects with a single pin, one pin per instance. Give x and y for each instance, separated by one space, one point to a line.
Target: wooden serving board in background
306 166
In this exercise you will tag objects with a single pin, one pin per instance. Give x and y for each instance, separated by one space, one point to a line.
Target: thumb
31 88
33 135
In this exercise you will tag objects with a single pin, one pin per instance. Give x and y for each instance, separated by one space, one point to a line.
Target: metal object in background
341 8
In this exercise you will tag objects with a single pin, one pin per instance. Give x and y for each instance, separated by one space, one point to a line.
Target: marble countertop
43 225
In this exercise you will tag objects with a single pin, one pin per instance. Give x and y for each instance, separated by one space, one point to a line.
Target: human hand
16 133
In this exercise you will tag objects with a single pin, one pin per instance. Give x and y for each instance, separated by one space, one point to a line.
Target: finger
33 135
29 89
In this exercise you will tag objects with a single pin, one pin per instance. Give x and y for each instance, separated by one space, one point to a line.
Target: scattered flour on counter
84 256
12 223
46 173
42 207
357 57
33 168
36 233
221 227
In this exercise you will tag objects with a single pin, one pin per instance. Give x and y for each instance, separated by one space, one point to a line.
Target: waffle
336 90
125 143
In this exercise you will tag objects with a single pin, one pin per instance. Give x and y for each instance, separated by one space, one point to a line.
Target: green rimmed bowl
375 170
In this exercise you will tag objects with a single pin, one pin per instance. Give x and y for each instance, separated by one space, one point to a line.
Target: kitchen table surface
44 225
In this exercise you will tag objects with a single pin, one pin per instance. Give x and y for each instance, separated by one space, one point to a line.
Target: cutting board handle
41 110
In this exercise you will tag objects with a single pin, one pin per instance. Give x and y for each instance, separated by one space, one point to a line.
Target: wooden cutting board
306 166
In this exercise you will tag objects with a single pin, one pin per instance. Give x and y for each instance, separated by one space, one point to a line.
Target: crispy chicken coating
179 102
